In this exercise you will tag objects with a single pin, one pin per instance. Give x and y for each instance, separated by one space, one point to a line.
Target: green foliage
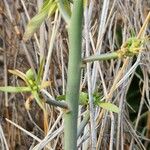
83 100
33 82
97 97
108 106
105 105
131 47
61 97
48 8
40 71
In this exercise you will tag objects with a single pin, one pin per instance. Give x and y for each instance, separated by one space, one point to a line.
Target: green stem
74 73
51 101
101 57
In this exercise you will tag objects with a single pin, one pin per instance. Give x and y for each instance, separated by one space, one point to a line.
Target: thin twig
22 129
3 138
112 131
51 45
51 101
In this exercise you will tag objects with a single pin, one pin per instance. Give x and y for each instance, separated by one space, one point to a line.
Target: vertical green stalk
74 73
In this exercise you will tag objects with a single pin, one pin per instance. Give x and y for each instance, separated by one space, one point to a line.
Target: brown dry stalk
45 122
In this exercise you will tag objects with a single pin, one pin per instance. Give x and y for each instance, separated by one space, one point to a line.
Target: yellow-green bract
30 74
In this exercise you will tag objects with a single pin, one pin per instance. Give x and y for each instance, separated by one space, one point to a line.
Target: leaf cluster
84 100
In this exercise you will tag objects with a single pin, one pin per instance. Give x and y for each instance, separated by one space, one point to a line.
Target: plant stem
101 57
74 73
51 101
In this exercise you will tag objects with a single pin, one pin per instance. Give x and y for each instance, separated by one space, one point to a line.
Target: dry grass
103 23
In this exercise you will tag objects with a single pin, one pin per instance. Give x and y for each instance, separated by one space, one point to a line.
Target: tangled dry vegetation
124 82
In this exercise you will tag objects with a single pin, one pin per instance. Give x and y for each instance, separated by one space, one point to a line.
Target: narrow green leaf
52 8
38 19
40 71
12 89
108 106
64 8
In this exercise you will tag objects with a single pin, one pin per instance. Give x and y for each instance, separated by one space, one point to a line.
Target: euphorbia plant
33 85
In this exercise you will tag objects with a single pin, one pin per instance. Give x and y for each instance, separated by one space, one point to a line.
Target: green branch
51 101
101 57
74 74
130 48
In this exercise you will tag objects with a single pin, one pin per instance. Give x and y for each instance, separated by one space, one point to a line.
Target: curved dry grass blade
22 129
28 102
19 74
